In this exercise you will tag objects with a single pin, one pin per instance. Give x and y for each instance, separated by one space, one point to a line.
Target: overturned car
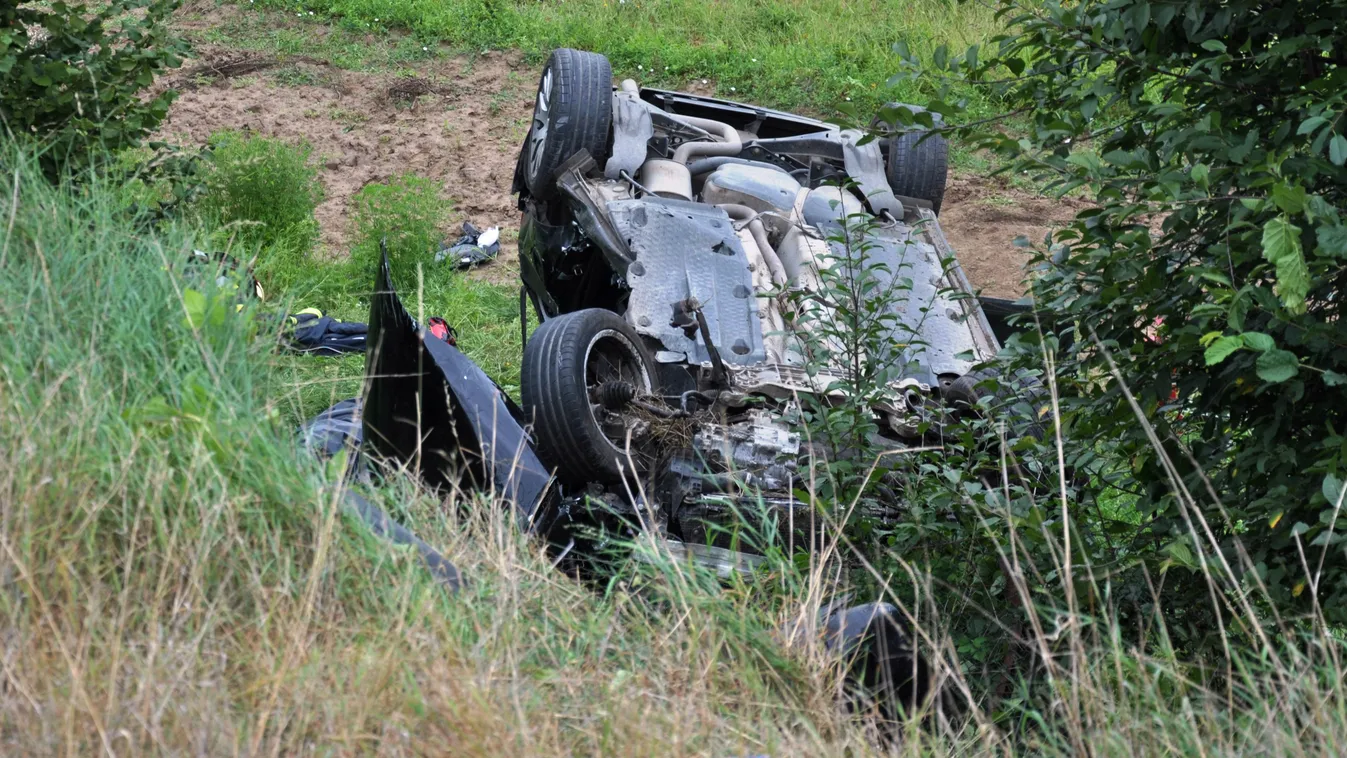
665 244
670 247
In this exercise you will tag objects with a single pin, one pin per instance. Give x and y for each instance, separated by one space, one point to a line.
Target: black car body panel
429 407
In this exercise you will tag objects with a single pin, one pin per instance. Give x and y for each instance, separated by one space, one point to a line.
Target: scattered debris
473 248
441 328
429 409
336 429
226 68
382 525
317 334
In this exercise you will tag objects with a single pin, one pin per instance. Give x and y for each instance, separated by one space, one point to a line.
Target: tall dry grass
177 578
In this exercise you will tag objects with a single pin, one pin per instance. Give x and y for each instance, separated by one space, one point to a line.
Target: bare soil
460 121
981 217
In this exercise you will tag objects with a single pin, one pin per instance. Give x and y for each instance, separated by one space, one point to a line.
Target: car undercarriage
676 251
669 246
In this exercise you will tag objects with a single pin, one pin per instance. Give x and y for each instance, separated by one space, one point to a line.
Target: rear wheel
919 167
572 112
579 370
1019 396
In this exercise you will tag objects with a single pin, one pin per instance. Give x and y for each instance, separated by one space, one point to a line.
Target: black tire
883 670
964 394
573 111
919 168
564 360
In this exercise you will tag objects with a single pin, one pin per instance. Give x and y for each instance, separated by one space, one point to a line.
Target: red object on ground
440 328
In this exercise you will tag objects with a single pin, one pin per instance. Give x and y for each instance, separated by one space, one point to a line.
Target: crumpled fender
429 408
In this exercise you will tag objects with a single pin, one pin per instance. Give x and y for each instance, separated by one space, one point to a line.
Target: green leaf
1208 338
1214 45
1123 158
1180 554
1258 341
1316 207
1300 528
1332 240
1337 150
1277 366
194 304
1088 161
1163 14
1215 276
1310 124
1281 247
1222 348
1239 309
1140 15
1088 107
1199 174
940 58
1332 489
1291 199
1334 379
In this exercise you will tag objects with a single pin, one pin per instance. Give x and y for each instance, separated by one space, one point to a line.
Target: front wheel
579 369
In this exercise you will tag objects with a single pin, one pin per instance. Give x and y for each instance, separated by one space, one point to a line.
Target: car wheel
884 671
579 369
965 392
572 112
919 168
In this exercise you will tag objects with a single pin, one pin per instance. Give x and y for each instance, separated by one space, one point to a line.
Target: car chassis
659 232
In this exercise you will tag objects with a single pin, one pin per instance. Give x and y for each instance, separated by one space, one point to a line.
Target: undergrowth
175 576
259 193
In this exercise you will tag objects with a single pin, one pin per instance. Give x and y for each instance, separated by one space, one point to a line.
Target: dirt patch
460 121
982 217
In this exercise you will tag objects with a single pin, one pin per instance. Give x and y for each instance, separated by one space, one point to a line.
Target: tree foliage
71 74
1211 269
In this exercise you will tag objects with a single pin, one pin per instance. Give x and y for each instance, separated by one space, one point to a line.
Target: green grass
259 196
805 54
261 191
836 51
175 577
173 568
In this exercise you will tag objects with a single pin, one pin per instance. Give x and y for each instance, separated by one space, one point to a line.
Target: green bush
1205 286
72 74
407 211
263 191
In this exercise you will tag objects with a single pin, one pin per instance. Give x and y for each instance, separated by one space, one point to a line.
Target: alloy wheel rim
541 112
